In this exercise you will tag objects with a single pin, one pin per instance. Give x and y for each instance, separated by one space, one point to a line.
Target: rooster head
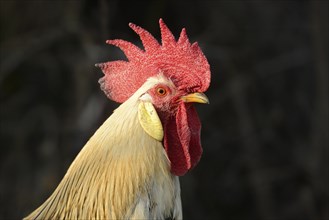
177 74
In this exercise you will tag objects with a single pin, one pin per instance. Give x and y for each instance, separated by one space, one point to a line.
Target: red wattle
182 139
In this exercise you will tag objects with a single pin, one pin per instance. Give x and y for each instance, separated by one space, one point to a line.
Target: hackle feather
121 173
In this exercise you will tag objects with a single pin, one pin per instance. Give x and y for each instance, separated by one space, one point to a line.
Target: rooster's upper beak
198 97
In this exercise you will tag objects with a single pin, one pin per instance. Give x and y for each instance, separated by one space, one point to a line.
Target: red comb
180 61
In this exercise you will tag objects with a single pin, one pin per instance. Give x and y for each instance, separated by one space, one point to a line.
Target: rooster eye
161 91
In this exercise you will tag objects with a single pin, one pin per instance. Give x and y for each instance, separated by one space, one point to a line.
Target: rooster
130 167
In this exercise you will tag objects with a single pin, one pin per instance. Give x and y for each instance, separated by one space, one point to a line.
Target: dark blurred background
265 133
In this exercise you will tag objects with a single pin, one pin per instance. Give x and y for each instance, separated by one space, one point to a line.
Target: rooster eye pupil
161 91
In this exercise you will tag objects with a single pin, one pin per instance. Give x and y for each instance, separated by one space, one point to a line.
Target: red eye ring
161 91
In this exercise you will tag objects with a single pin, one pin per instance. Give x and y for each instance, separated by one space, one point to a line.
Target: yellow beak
195 97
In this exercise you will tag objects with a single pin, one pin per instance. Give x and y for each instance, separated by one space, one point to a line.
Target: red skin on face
181 128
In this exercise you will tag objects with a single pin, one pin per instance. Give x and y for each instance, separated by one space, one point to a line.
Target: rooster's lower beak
195 97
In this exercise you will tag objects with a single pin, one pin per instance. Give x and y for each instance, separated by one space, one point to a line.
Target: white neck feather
118 163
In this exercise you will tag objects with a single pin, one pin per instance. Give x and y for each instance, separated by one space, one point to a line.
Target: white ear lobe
149 120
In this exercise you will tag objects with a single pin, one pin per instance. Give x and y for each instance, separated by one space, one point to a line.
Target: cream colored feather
121 173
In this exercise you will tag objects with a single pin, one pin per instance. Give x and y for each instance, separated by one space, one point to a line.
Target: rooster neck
119 169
